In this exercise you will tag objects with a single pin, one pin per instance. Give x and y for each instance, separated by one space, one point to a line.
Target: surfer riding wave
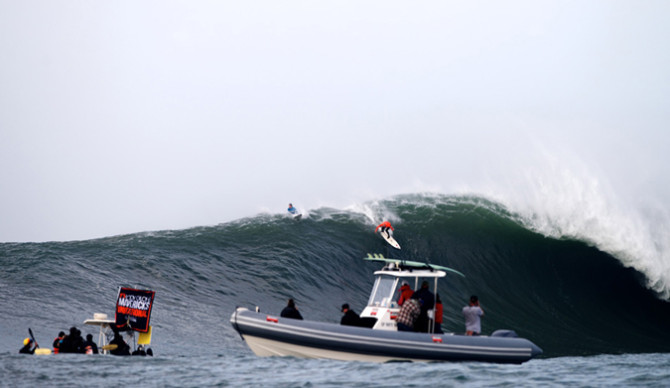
385 227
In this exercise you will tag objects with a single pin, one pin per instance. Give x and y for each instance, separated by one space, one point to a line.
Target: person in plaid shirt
409 311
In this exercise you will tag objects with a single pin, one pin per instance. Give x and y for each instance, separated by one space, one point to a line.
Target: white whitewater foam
375 212
563 200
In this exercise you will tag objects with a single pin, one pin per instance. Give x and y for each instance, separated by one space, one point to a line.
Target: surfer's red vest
386 224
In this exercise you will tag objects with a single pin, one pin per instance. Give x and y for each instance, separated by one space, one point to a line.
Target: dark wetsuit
27 350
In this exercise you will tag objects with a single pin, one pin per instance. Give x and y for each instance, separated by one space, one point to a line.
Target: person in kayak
28 346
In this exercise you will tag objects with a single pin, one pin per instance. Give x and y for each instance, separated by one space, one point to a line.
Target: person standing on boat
139 352
121 348
385 227
408 314
438 315
473 313
89 346
406 292
427 300
72 342
58 341
26 349
350 318
290 311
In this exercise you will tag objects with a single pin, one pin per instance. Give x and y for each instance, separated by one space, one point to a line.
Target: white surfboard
297 216
392 242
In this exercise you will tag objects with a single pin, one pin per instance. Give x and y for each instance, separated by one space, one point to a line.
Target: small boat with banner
379 340
133 315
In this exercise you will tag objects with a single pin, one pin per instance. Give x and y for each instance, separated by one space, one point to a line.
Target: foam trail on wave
375 212
565 200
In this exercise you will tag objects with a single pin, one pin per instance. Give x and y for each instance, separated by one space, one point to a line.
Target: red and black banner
134 308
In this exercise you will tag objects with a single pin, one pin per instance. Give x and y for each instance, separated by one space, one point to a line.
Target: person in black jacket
122 348
140 351
350 318
72 342
427 301
89 346
290 311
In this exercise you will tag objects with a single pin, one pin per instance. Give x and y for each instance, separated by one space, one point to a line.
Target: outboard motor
505 333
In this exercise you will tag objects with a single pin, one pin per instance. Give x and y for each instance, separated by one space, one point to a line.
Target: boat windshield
382 292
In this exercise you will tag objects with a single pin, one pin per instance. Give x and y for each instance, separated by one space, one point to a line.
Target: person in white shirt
473 313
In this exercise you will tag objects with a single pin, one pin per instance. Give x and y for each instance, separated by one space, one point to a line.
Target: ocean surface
600 320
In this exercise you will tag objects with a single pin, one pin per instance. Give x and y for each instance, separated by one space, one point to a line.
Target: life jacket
406 292
56 344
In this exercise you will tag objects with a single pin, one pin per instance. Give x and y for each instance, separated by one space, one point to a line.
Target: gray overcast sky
127 116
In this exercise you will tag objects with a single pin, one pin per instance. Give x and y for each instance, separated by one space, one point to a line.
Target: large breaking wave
570 293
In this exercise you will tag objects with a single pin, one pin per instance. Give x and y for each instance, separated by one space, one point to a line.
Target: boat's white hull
264 347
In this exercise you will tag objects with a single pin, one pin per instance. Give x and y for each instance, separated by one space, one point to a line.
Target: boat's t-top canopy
389 278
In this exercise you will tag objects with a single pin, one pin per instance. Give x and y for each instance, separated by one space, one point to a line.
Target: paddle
33 337
110 347
38 350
